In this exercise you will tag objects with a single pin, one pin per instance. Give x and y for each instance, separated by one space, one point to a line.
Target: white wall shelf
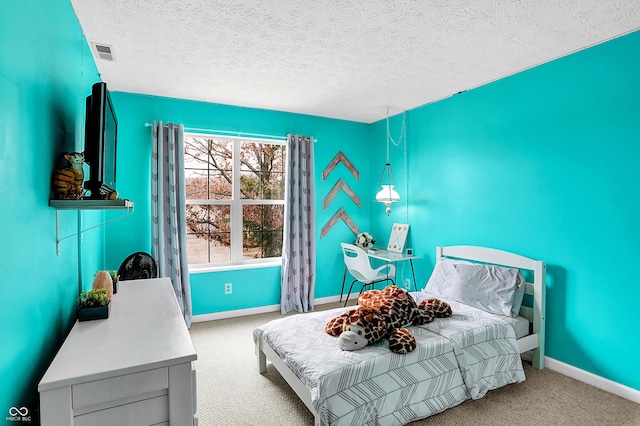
91 204
118 204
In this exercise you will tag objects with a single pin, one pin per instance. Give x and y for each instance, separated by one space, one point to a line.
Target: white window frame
236 204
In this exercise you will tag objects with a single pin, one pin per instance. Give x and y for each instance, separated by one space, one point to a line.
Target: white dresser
133 368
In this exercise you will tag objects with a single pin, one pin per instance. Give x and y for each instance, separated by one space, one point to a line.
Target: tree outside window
235 199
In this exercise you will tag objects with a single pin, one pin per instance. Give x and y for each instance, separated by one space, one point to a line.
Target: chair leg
348 294
344 277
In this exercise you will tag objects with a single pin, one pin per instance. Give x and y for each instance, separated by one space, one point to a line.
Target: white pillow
438 284
487 287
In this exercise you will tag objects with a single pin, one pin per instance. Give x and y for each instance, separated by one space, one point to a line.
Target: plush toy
385 313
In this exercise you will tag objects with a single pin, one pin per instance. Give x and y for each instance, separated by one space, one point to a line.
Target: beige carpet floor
232 392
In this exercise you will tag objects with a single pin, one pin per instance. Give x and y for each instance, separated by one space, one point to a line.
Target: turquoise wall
45 72
544 163
251 287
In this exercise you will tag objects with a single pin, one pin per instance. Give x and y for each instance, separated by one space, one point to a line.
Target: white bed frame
536 314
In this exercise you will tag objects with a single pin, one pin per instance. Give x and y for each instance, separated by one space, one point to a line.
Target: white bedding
457 358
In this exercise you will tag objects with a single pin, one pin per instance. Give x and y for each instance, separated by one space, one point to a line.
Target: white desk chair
357 263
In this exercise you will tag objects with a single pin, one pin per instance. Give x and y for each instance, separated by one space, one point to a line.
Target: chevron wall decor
340 214
340 185
340 158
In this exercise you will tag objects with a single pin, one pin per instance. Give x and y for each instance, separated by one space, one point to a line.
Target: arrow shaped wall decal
340 158
340 214
340 185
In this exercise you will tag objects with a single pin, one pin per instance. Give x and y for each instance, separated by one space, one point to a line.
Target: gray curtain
299 238
168 211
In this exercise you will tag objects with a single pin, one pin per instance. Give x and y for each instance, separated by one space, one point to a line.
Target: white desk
388 257
132 368
393 257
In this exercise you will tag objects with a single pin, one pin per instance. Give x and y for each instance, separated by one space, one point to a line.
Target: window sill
231 267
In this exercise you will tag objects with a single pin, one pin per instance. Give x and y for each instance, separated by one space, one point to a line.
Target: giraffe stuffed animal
385 313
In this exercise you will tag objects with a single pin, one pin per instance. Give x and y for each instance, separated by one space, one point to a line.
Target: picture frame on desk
398 237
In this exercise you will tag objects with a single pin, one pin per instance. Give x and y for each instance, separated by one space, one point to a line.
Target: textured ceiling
343 59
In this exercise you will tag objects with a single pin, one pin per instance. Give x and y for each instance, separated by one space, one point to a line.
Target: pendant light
387 194
386 188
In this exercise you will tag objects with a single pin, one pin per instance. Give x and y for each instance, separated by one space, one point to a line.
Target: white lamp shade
387 195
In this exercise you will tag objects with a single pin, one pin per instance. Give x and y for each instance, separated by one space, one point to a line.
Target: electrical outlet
407 283
228 288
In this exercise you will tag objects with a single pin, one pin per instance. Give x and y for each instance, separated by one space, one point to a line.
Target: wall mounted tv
101 131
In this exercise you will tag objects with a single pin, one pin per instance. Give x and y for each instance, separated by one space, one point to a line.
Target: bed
457 358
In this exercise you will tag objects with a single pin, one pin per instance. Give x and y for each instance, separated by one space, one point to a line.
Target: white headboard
537 289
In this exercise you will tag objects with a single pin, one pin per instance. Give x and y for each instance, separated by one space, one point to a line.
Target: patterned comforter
457 358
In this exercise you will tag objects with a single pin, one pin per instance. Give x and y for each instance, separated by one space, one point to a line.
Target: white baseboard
254 311
593 380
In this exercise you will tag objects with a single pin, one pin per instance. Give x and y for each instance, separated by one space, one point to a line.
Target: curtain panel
168 211
299 237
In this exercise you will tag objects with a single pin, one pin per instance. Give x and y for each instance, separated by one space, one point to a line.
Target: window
235 199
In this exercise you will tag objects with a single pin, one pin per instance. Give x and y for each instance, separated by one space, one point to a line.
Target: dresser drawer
151 411
105 393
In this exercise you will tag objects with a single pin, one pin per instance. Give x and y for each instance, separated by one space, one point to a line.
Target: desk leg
344 277
415 285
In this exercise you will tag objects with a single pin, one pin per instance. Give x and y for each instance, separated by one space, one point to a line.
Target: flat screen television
101 131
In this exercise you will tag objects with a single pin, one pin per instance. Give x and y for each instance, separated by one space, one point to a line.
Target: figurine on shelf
67 182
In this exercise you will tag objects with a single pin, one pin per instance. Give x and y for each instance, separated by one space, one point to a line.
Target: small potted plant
94 304
115 278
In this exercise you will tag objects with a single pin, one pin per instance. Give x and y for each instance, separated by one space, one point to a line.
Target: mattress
520 326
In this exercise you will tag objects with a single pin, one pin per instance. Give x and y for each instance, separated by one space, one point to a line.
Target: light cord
406 173
403 133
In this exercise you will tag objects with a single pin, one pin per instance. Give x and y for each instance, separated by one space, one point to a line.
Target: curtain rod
227 133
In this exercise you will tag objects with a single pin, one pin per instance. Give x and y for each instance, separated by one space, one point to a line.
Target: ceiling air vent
103 51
